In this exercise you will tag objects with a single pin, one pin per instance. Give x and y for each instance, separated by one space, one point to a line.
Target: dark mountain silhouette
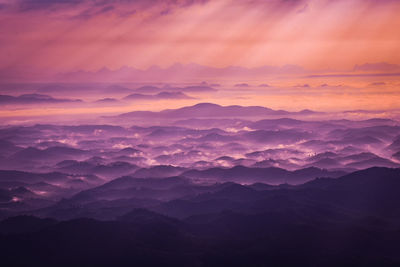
29 177
116 89
24 224
8 148
241 85
147 217
186 72
346 221
396 155
359 140
159 171
395 145
204 110
269 124
211 123
326 163
98 129
376 161
86 88
27 190
276 137
111 170
29 99
148 89
381 132
160 96
32 156
107 100
269 175
237 186
323 155
353 194
377 67
214 137
180 90
47 153
359 157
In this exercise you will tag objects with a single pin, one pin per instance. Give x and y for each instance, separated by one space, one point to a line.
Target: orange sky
66 35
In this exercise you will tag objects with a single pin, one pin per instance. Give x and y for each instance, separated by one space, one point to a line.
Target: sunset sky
67 35
326 55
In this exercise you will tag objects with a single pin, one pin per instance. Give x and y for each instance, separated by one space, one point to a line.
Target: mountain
208 110
28 190
111 170
33 99
371 192
395 145
211 123
8 148
276 137
234 239
107 100
377 67
176 72
250 175
51 154
376 162
203 88
160 96
159 171
24 224
352 220
147 217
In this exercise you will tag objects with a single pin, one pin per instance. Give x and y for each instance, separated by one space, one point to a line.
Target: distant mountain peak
205 105
379 66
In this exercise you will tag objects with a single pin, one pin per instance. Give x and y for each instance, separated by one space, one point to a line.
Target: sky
70 35
319 54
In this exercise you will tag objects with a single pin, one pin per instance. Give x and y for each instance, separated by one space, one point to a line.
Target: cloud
30 5
84 9
120 6
303 9
90 12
